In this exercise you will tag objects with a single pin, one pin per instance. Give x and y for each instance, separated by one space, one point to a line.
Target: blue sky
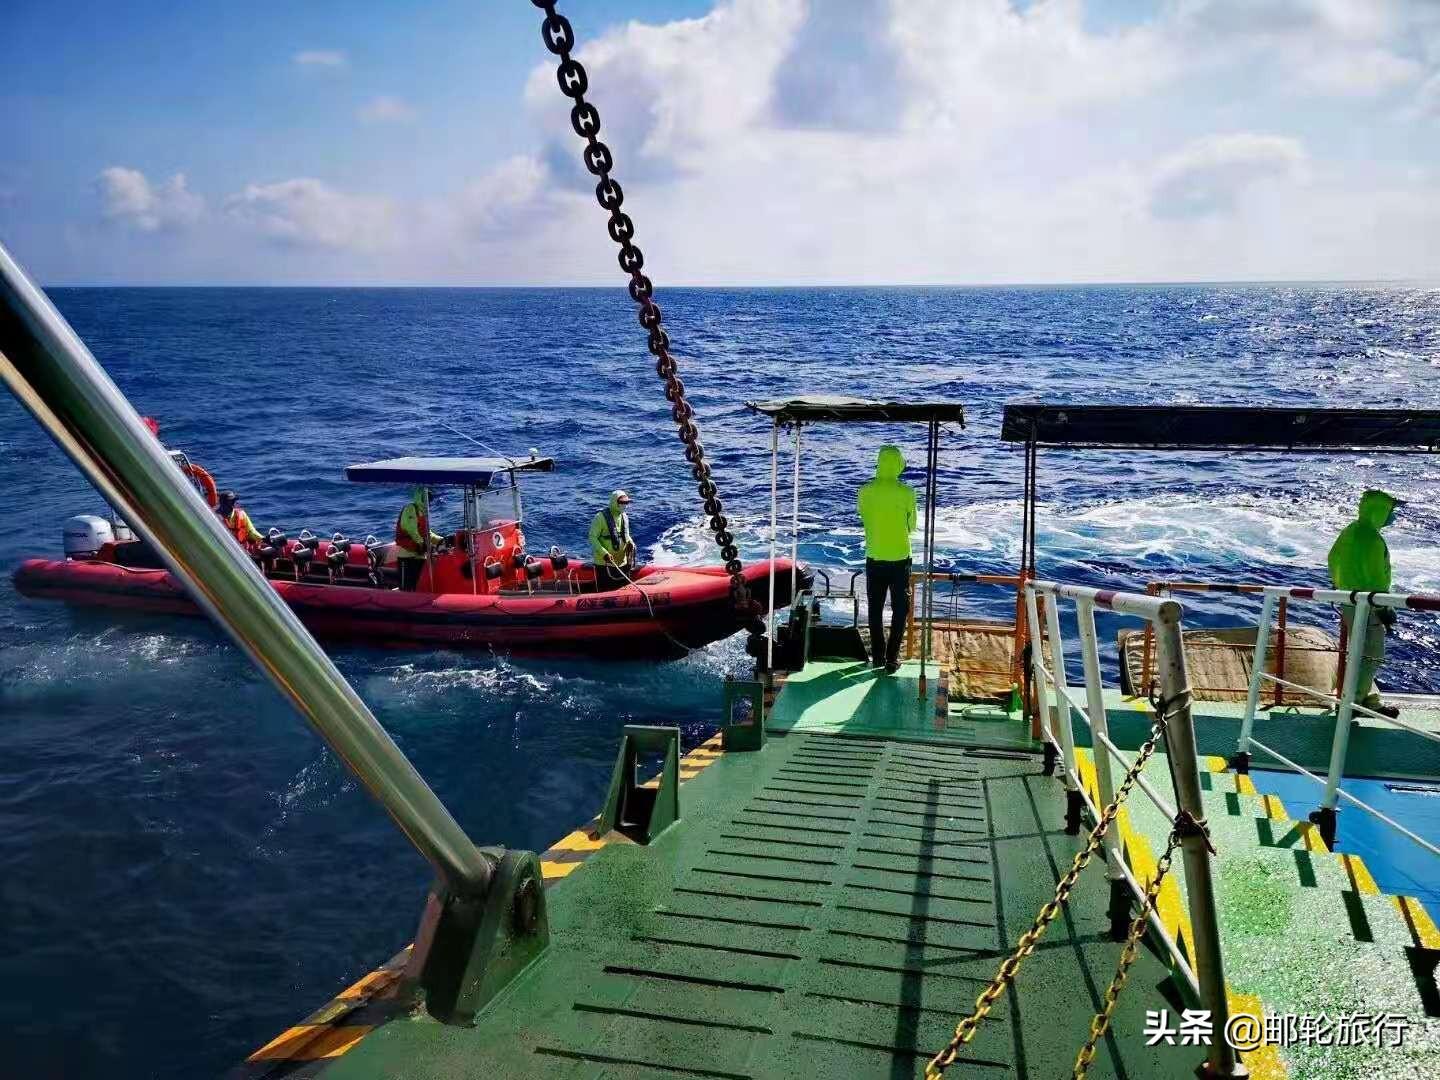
761 141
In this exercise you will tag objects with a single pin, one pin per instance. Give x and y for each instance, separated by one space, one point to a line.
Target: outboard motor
558 559
123 533
85 535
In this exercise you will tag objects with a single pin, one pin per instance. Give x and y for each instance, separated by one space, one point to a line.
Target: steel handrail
1426 844
1322 696
1345 704
1207 978
48 368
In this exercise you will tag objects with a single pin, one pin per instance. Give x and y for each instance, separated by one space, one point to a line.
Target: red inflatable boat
482 589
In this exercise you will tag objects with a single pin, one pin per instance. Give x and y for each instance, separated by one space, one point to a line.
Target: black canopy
835 407
1220 427
444 470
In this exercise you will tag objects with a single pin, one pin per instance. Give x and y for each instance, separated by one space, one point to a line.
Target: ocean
185 871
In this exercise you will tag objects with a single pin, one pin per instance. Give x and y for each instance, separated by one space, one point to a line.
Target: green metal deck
828 906
832 904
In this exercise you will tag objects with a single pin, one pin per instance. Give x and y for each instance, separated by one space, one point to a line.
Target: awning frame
796 413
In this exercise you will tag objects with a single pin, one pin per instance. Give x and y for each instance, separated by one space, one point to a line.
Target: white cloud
1427 98
320 58
309 213
930 141
385 108
1336 47
671 91
987 63
127 196
1210 175
501 198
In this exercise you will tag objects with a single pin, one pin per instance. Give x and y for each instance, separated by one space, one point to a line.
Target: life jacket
618 538
238 522
407 542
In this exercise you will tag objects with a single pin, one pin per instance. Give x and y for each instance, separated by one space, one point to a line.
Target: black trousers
608 578
409 572
882 579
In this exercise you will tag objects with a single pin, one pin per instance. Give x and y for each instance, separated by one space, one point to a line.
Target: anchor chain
1101 1023
559 38
1004 975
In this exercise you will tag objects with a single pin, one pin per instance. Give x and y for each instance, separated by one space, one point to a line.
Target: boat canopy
468 471
1221 427
837 407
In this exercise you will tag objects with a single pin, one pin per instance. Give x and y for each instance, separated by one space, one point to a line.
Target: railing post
1241 761
1037 665
1282 623
1073 802
1095 701
1179 731
1325 816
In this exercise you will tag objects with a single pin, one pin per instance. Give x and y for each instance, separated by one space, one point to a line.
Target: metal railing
1284 647
49 369
1206 977
943 621
1344 703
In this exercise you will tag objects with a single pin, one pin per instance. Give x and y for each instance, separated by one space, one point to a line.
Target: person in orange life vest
413 538
237 521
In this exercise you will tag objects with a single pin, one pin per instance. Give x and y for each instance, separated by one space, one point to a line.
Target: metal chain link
1005 974
1101 1023
559 38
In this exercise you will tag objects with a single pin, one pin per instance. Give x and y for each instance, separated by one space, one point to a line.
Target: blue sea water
185 870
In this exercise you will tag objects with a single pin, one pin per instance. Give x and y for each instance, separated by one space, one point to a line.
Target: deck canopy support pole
795 520
51 372
774 526
1029 639
927 588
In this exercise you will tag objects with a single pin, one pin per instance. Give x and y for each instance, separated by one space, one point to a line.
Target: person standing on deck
611 545
887 510
413 538
1359 561
237 521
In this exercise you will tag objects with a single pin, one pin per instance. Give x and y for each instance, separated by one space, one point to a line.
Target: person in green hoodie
1359 561
887 510
611 545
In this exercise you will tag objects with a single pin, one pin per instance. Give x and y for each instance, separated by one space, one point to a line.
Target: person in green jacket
1359 561
887 510
413 538
611 546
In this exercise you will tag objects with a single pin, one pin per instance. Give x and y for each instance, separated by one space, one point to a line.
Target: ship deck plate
828 906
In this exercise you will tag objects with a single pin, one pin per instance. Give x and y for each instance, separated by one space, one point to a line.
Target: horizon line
620 285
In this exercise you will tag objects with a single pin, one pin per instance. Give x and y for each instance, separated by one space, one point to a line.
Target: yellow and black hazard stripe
305 1049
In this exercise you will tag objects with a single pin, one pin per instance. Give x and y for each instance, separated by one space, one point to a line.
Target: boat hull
666 612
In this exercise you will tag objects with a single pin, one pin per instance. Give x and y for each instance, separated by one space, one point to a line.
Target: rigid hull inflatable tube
691 607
